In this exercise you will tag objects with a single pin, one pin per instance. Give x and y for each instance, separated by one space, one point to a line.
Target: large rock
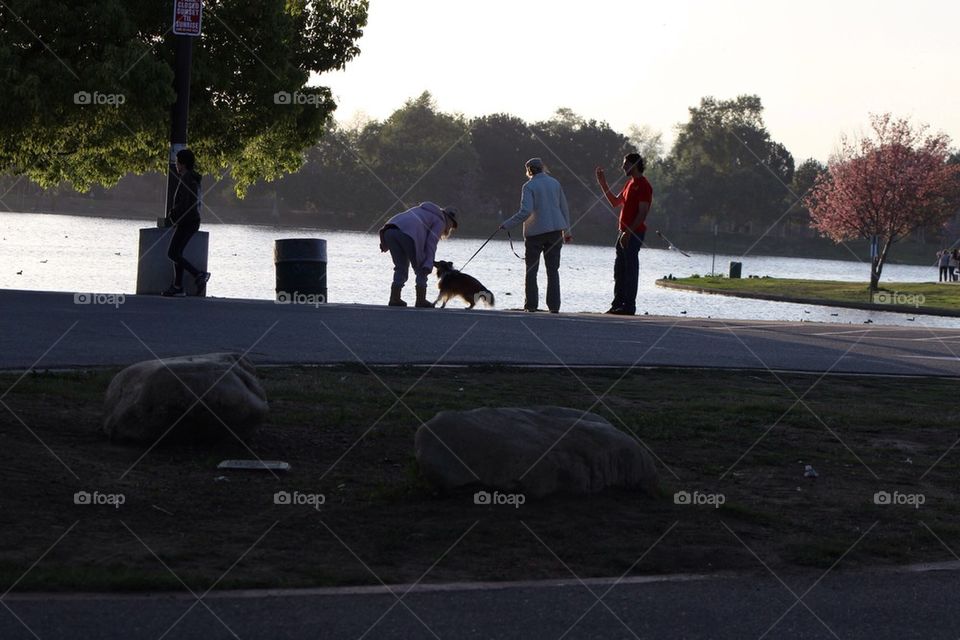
158 399
535 451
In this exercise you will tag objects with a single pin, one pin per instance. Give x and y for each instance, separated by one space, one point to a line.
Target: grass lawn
915 297
740 434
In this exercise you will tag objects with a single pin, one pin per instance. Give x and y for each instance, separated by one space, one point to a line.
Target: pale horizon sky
820 67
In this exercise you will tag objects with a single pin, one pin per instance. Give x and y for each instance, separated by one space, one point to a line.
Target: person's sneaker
173 292
620 311
201 281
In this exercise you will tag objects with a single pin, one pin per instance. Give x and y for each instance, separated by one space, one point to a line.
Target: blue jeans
404 255
626 274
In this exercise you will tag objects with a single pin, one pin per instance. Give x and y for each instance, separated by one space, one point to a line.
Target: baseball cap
534 163
451 212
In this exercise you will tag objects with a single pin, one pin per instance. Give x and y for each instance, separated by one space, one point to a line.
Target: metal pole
178 117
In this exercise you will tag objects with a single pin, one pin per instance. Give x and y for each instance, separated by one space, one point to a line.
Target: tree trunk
876 266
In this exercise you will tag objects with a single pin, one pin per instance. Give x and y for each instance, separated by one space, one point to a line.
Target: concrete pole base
154 268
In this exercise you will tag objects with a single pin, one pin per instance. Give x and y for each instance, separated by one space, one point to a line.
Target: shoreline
821 302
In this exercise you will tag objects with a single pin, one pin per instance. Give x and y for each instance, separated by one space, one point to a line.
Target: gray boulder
536 451
158 399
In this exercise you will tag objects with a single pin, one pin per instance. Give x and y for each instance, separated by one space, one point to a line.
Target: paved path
49 330
886 606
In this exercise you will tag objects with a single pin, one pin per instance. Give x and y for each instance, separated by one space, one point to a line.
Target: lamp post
186 26
153 266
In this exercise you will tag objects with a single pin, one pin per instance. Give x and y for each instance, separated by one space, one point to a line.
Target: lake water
81 254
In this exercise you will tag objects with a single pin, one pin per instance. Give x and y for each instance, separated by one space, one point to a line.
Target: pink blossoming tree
885 186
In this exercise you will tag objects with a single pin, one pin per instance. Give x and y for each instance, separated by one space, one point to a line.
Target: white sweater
543 207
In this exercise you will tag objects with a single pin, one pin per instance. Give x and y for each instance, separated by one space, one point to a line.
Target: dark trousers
404 255
626 274
944 274
549 244
181 236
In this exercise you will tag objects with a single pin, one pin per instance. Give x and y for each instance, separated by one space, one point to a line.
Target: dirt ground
744 436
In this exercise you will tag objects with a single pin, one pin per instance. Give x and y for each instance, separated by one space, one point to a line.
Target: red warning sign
186 17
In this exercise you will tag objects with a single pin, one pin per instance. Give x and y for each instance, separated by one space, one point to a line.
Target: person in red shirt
634 201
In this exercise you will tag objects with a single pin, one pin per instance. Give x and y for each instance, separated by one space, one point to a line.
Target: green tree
503 143
726 168
418 153
797 219
88 85
332 181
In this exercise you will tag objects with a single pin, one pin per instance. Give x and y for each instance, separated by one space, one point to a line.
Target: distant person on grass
546 219
954 264
634 201
185 216
411 238
943 260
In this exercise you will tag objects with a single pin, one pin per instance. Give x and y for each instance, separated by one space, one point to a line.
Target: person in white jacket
546 219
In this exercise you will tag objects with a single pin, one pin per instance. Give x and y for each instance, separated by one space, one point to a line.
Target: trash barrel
735 269
301 265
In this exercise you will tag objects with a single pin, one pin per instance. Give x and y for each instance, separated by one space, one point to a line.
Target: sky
820 67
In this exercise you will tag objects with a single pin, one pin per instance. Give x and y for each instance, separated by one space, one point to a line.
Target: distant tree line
724 176
723 170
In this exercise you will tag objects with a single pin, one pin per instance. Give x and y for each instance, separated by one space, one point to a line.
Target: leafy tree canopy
417 151
727 166
88 85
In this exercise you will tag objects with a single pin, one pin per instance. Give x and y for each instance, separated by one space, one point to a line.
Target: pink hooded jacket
425 224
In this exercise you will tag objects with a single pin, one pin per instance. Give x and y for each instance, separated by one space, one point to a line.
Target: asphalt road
50 330
884 606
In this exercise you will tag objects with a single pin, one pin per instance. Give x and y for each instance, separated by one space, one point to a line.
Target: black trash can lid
300 250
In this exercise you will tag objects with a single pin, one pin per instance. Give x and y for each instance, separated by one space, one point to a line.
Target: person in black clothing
185 216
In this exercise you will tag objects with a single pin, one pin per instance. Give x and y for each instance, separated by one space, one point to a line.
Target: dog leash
509 237
479 250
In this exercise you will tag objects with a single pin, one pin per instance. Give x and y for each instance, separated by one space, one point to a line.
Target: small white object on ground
255 465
